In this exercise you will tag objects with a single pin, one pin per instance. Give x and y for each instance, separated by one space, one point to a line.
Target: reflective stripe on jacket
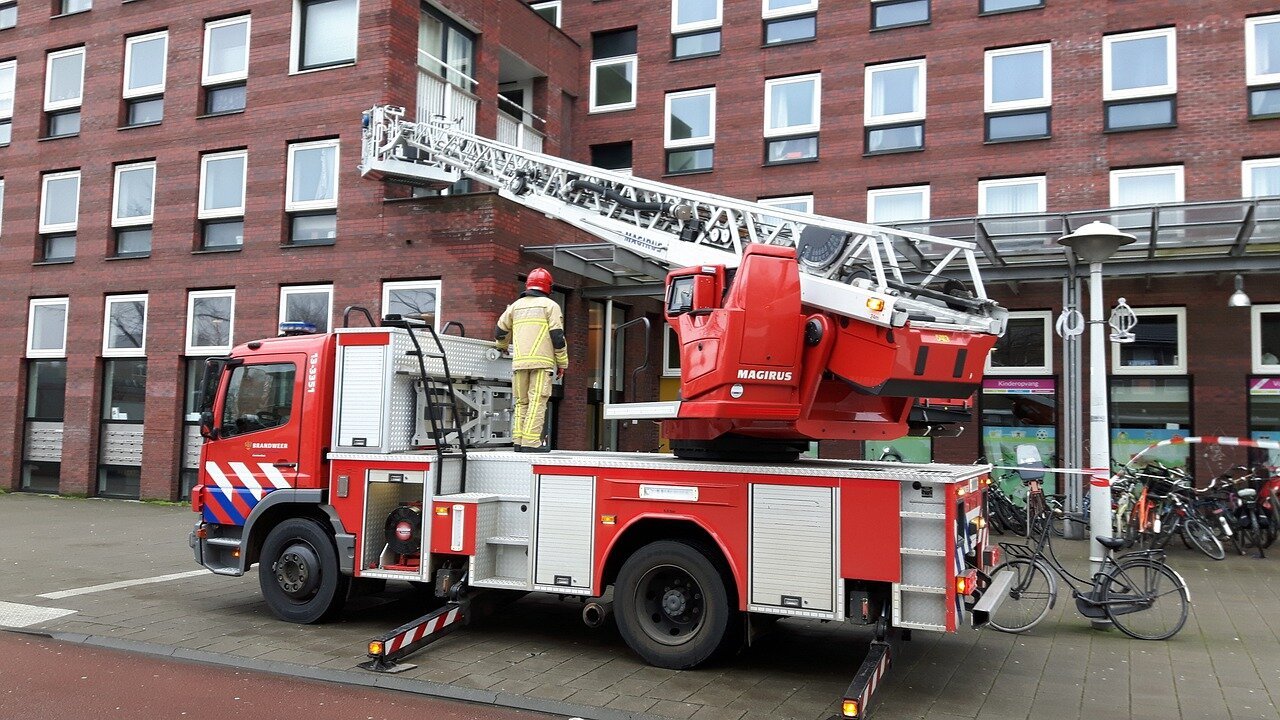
529 325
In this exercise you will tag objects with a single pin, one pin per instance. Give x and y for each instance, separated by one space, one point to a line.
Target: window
690 130
1262 65
8 75
59 211
999 6
1159 346
415 298
792 118
894 107
66 7
695 27
125 326
46 408
225 69
670 352
1019 90
222 181
124 401
312 198
898 13
789 21
446 48
1 207
896 205
135 187
324 33
798 203
210 321
612 156
1026 347
1260 178
613 71
47 328
1146 186
259 397
548 10
1140 79
63 91
1266 338
307 304
8 14
144 76
1145 411
1011 196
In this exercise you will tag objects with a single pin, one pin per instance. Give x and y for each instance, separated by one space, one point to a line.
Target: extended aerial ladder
868 318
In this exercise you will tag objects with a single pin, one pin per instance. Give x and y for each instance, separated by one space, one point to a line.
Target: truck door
258 422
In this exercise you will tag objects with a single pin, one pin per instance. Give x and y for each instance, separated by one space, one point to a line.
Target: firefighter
534 328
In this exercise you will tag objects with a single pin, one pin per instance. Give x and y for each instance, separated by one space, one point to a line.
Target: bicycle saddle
1110 543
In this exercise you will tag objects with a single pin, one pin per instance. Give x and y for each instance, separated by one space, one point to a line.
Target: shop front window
1145 411
1264 419
124 399
42 446
1019 412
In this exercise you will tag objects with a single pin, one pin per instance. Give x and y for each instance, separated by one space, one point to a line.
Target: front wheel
298 573
1146 599
1031 594
672 606
1202 537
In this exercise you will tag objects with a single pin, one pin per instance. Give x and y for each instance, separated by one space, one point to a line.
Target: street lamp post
1095 243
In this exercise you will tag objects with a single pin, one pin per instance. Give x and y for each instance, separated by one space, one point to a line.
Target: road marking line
15 615
122 584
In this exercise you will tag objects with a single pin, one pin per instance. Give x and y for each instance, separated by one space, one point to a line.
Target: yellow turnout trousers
532 388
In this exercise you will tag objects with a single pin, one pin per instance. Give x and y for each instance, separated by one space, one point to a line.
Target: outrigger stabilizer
411 637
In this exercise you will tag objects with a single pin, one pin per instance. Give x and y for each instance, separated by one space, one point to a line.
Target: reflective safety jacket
534 326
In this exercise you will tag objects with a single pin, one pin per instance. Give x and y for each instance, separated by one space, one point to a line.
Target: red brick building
179 177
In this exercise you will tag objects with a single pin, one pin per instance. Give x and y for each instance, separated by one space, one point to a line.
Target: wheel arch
281 505
645 529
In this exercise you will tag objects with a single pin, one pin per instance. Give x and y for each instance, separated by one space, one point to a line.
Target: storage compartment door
566 506
793 547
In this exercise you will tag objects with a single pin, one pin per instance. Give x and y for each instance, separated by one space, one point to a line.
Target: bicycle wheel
1146 599
1199 534
1031 594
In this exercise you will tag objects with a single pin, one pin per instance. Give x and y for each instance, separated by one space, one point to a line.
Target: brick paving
1224 664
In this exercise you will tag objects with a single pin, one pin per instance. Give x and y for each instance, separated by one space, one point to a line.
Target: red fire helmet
539 279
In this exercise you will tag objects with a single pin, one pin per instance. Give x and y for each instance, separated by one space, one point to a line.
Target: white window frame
1179 369
616 60
1175 170
287 290
116 220
873 195
295 43
687 142
816 109
106 326
921 94
44 198
1046 317
552 3
1246 173
769 14
668 337
128 64
61 352
1046 54
1255 322
51 105
203 350
678 29
11 65
291 205
1171 65
204 214
1251 51
435 285
205 77
778 202
1039 181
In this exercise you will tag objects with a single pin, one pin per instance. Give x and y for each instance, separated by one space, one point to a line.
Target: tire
672 607
1198 534
1255 531
1145 599
1031 594
298 573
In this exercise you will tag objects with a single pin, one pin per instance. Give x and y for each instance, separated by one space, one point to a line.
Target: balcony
514 132
438 97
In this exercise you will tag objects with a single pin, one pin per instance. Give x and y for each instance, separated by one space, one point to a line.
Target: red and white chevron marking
416 633
865 697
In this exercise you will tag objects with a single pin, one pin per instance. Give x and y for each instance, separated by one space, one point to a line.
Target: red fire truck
383 452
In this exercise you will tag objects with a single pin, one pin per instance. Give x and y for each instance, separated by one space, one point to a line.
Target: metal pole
1072 400
1099 435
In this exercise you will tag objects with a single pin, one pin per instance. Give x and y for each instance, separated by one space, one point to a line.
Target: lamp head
1096 242
1238 298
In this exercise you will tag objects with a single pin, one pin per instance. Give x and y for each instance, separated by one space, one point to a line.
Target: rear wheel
1145 599
298 573
672 605
1031 594
1199 535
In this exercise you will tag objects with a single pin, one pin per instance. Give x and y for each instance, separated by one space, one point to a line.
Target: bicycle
1141 595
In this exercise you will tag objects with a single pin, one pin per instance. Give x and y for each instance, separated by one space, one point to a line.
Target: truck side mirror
207 430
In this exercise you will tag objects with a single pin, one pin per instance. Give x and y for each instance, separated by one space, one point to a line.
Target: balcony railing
513 132
439 98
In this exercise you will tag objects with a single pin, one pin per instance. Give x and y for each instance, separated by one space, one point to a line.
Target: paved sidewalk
538 655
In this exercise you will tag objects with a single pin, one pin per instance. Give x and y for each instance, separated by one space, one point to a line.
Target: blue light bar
294 327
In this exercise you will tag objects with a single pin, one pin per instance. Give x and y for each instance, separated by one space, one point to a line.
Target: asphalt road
44 678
